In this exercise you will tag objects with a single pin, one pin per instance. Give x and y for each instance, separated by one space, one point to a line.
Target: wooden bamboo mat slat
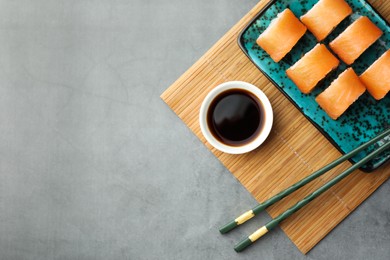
294 149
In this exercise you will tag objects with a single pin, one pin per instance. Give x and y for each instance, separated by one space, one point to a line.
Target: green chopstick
260 207
273 223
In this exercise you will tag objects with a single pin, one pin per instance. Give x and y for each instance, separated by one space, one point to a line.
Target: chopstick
273 223
261 206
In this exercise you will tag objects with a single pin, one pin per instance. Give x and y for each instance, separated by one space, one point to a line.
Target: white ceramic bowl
267 125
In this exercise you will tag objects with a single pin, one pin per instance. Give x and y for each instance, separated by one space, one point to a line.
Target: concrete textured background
93 165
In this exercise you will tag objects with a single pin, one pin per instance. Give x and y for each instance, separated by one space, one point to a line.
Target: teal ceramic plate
366 117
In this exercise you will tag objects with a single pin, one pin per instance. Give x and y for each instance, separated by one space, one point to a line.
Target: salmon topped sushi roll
360 35
312 68
377 77
281 35
324 16
341 94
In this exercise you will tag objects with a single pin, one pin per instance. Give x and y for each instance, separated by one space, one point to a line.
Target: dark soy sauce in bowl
235 117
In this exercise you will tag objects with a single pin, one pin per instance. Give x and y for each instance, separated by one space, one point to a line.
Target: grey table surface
94 165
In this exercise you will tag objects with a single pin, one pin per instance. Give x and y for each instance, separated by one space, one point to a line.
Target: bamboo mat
294 149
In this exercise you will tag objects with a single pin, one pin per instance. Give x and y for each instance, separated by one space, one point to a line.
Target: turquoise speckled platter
366 117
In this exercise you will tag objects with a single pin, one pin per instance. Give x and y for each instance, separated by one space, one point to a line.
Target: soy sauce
235 117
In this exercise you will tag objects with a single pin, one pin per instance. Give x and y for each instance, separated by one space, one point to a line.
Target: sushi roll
281 35
341 94
312 68
324 16
377 77
360 35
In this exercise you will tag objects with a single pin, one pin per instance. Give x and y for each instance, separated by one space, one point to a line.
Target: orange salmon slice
281 35
325 16
312 68
377 77
341 94
351 43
